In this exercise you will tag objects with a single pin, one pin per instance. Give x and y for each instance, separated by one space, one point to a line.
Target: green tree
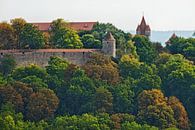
179 45
89 41
100 29
7 64
76 97
144 76
35 82
103 100
145 49
8 36
123 98
57 66
62 36
178 78
31 38
18 25
136 126
31 70
127 48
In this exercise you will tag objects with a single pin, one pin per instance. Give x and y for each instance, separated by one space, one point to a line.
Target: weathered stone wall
41 57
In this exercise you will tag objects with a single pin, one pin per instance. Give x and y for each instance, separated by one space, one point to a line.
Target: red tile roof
78 26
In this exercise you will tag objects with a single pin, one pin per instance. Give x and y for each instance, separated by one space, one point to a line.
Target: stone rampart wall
41 57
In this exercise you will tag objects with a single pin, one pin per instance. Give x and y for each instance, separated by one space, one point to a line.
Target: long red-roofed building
78 26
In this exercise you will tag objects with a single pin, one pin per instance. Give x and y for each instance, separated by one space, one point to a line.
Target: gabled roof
78 26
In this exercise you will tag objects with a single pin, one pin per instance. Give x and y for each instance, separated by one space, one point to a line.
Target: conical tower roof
143 22
109 36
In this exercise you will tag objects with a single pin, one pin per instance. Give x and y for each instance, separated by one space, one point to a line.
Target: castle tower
143 28
109 45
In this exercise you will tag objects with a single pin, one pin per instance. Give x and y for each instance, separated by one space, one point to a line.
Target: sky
124 14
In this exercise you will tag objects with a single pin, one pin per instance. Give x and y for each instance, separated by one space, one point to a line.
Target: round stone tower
109 45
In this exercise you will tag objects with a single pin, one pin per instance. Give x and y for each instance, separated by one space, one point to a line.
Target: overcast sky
125 14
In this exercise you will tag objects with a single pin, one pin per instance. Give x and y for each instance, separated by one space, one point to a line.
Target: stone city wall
41 56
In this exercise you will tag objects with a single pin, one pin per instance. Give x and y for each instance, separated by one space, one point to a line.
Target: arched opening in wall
1 54
23 53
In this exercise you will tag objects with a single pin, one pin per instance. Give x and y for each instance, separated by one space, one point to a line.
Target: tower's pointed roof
109 36
174 35
143 22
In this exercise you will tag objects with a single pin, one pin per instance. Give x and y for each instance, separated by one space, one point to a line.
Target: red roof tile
78 26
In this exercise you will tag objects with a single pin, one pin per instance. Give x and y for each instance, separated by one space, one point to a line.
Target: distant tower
109 45
172 37
143 28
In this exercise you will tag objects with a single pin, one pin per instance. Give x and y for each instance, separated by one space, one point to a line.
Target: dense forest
146 87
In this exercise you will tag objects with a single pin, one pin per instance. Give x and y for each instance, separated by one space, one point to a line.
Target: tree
120 118
144 76
179 45
158 47
129 66
128 49
77 96
8 36
35 82
57 66
180 113
178 78
153 109
42 105
89 41
31 38
18 25
145 49
150 97
103 100
100 29
101 67
7 64
123 98
31 70
136 126
62 36
9 94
